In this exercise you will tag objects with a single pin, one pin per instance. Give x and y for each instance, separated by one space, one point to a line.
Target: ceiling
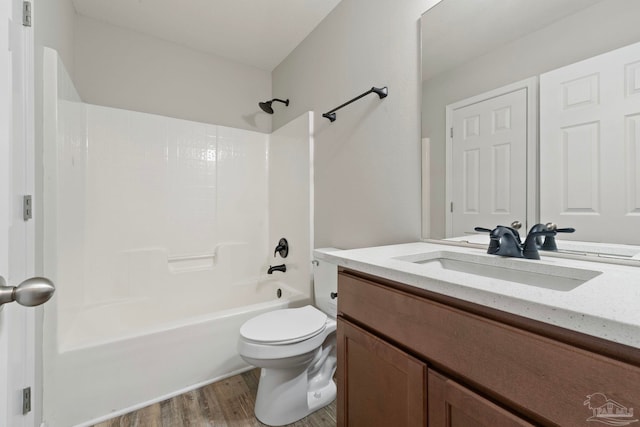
259 33
454 31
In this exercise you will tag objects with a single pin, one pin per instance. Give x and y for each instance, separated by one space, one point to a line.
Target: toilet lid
285 326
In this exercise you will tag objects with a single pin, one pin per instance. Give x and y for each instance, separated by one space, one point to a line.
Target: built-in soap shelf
186 263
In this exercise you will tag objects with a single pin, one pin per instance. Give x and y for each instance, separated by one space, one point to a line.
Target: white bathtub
134 317
151 350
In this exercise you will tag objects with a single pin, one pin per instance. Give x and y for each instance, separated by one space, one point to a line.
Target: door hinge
27 208
26 400
451 132
451 207
26 13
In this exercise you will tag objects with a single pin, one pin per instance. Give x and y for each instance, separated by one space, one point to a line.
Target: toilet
296 351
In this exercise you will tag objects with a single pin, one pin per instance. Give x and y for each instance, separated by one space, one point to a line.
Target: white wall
367 163
121 68
290 199
597 29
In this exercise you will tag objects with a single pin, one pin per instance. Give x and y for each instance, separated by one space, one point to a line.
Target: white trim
33 355
141 405
533 157
21 154
312 197
426 187
531 86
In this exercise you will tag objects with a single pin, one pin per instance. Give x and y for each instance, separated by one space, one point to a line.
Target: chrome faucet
280 267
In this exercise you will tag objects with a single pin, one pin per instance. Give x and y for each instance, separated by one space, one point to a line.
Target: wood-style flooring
227 403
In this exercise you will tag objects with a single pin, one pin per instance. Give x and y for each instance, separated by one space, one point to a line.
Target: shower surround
158 235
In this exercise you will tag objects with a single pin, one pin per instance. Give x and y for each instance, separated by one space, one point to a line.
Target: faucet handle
554 227
565 230
282 248
482 230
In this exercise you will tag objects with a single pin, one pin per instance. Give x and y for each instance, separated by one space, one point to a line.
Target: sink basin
531 273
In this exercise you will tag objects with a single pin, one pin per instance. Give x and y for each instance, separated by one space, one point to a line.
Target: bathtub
161 352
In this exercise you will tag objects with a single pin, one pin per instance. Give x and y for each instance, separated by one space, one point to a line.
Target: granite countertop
605 303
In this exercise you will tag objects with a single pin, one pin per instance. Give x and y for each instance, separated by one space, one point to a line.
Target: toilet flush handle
333 295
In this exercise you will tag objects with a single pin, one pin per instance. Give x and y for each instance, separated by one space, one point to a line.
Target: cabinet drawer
545 380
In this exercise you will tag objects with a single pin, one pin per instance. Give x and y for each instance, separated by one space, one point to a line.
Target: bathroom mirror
471 48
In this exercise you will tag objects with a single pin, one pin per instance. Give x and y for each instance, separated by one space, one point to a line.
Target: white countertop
606 306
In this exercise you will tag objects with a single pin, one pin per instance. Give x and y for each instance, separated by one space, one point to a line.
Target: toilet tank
325 282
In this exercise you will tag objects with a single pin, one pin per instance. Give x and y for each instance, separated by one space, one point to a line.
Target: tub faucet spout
280 267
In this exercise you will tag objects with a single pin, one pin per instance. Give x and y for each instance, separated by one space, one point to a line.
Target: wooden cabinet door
452 405
378 384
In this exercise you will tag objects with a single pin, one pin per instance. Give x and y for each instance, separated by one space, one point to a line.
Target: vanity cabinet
381 385
410 357
452 405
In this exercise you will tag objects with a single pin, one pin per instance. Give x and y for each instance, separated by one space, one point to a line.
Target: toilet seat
286 326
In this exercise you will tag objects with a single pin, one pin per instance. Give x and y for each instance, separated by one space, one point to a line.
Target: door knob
31 292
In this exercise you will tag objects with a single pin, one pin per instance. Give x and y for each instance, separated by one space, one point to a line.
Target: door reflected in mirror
471 49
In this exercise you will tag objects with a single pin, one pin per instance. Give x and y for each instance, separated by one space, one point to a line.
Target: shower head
266 106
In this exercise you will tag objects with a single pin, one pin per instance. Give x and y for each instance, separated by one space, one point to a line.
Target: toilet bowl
296 351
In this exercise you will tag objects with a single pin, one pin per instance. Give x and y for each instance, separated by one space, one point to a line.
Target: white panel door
16 322
5 324
590 147
489 163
